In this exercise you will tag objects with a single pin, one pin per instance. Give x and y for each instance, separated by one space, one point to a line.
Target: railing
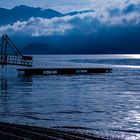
15 60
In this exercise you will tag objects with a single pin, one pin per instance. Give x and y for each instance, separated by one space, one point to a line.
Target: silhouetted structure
10 55
62 71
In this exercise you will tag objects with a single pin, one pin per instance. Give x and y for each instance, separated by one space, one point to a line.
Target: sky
68 5
108 13
111 19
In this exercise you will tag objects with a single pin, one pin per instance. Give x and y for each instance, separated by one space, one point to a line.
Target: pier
10 55
62 71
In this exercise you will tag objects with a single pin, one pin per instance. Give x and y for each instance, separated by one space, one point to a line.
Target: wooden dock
62 71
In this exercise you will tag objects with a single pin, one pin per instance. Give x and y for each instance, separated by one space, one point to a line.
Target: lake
105 104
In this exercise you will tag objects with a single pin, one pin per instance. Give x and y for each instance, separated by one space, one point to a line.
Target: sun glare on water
133 56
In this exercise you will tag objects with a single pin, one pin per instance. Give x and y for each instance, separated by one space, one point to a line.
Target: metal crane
10 55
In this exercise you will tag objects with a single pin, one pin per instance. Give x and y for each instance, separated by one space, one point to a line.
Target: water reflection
9 85
15 97
3 81
4 86
25 80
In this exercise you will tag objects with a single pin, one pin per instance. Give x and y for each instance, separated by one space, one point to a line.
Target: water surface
104 104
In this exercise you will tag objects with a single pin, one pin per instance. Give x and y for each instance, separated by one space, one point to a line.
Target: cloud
130 8
127 14
37 27
68 5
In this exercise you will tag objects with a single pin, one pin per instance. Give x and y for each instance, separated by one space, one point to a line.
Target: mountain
89 44
37 48
79 12
23 13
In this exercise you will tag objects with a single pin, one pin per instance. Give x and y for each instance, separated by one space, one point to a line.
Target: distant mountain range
23 13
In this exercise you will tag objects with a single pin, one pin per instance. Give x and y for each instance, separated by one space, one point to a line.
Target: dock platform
62 71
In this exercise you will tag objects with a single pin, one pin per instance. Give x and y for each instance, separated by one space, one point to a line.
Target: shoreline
19 132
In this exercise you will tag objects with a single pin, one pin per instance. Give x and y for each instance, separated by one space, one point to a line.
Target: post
4 50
